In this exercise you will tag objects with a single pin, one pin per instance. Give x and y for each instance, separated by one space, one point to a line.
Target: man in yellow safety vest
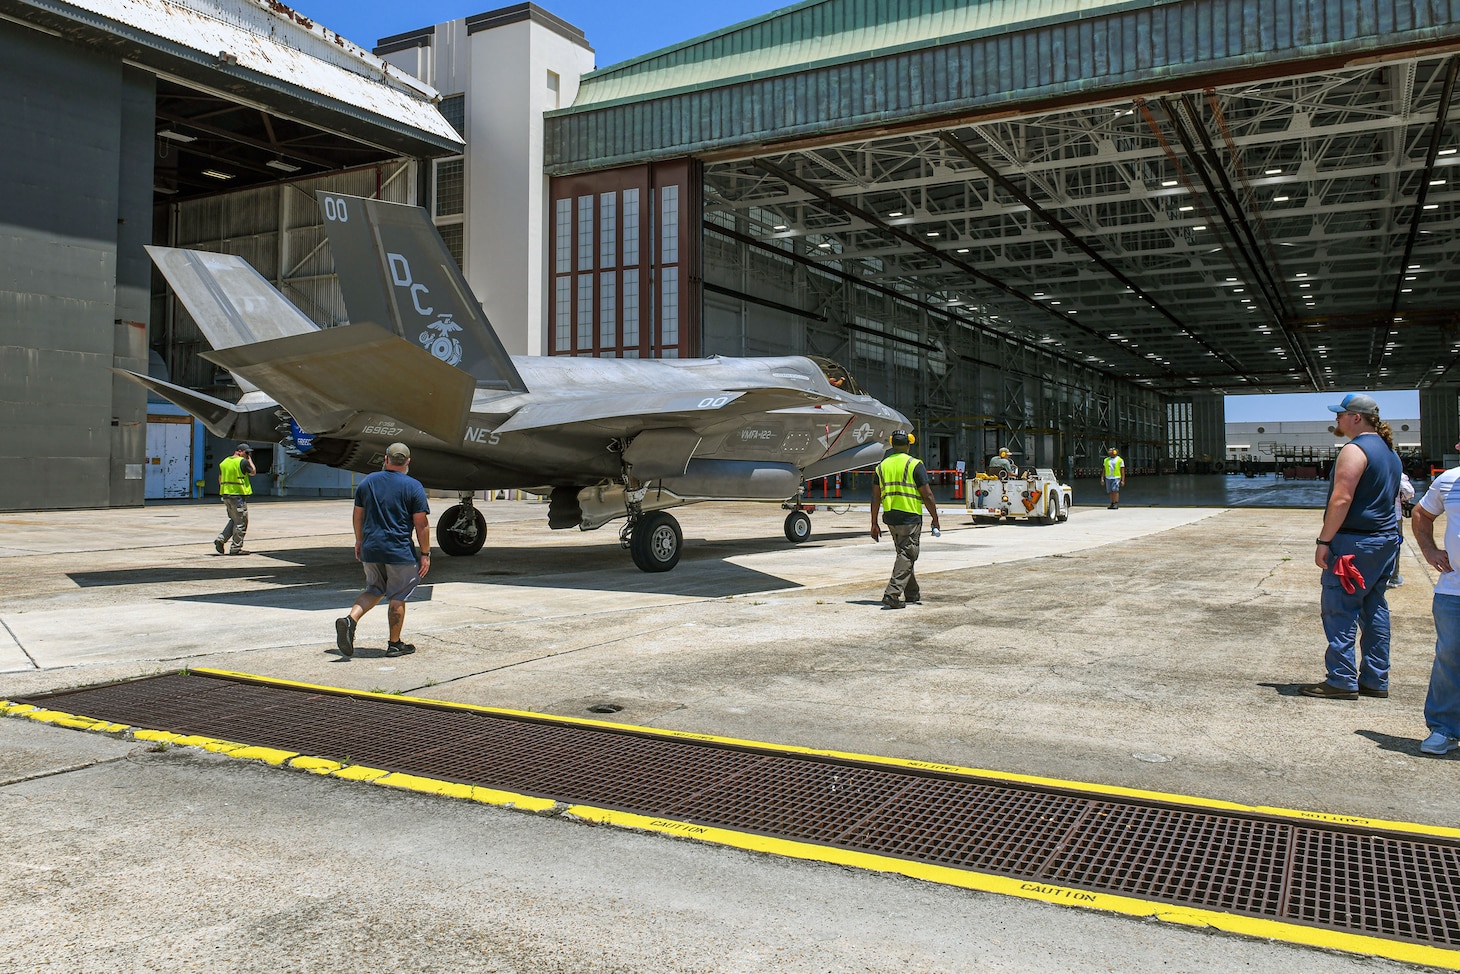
901 491
234 488
1114 477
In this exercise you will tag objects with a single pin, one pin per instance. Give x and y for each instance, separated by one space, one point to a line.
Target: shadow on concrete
308 597
1286 689
1403 745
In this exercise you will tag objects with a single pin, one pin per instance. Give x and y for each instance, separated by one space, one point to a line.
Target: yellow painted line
1085 787
1029 890
944 875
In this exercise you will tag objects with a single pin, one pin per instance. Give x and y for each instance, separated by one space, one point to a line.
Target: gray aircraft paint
479 419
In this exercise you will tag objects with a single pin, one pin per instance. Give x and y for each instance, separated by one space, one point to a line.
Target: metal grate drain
1356 880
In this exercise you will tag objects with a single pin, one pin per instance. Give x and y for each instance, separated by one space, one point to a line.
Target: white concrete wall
504 73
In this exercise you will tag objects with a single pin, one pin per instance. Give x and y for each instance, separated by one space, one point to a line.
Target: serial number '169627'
382 430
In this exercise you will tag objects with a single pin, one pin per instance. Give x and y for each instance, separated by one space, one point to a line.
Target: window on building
453 109
669 225
1179 430
563 303
563 237
555 90
669 306
607 228
450 187
454 237
585 312
631 309
585 233
607 311
631 227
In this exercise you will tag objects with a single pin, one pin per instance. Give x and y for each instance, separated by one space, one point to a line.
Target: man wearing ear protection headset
901 491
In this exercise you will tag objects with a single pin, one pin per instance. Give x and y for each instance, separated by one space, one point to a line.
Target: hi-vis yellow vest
1114 467
231 478
899 492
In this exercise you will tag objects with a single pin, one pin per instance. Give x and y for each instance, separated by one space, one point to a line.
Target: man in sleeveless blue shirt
1358 549
390 506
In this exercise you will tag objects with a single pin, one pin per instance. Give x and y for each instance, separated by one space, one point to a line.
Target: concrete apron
1153 648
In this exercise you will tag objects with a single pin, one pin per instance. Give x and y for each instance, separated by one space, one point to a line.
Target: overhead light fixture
164 190
281 165
1274 172
1185 209
933 233
217 174
895 213
1168 182
1279 199
779 227
176 136
963 250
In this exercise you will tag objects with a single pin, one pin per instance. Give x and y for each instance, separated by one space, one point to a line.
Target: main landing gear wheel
798 527
461 530
656 542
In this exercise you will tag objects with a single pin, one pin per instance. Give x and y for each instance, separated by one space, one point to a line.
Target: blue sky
1314 406
616 31
620 31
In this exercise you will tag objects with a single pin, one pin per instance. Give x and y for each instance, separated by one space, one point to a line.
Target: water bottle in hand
937 533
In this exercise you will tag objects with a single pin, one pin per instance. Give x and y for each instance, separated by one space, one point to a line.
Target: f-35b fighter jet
419 363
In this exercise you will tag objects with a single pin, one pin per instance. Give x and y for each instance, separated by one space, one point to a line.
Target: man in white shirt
1442 703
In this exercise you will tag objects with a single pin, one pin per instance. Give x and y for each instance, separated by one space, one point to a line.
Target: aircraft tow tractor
1034 492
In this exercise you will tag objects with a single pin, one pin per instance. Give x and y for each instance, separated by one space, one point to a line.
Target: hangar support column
1439 422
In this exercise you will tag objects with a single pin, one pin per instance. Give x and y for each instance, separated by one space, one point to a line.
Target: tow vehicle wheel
656 542
1064 514
461 530
798 527
1053 514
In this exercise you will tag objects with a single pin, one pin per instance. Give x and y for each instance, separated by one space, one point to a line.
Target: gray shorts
392 582
1112 484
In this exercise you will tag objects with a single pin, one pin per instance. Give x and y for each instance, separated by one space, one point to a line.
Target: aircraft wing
694 410
327 376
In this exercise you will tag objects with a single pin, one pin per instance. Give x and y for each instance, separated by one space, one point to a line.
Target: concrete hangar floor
1150 649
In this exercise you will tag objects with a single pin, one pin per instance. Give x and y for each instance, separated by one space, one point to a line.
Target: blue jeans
1359 620
1442 704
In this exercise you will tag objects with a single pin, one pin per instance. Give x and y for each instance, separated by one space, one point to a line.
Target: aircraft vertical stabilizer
395 272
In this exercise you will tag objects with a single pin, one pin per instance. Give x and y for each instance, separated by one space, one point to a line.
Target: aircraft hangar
202 123
1063 226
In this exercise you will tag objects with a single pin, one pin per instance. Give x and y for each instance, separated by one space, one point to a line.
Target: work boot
892 603
1327 691
218 545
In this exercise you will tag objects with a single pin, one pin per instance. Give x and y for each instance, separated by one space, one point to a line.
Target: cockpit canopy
838 376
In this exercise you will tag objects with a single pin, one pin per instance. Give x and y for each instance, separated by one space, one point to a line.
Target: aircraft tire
455 541
656 543
798 527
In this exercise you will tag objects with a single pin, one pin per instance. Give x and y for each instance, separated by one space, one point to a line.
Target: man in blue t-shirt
389 506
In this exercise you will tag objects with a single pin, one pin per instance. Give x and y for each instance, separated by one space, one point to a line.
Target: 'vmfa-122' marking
603 439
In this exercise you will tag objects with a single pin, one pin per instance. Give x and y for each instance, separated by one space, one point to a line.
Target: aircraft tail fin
396 273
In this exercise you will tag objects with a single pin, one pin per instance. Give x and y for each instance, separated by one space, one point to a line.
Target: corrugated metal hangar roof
252 88
1191 194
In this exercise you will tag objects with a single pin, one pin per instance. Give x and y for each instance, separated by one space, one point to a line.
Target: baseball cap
900 438
397 453
244 447
1357 402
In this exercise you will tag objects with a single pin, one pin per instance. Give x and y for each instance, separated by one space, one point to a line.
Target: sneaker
240 551
345 635
1327 691
218 545
399 648
1110 507
1396 581
892 603
1439 743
